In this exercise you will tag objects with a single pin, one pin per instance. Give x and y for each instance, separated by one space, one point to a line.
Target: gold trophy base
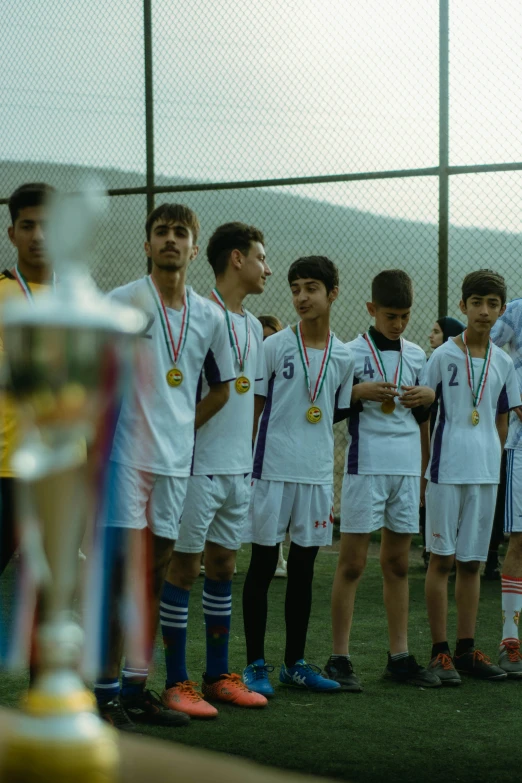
58 738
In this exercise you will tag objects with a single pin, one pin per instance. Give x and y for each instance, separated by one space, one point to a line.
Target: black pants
8 537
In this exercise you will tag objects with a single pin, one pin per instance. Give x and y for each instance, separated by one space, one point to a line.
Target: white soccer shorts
513 508
144 499
308 508
459 519
216 509
369 503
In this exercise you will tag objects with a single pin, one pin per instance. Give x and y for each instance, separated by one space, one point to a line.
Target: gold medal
475 418
242 384
314 414
174 377
388 406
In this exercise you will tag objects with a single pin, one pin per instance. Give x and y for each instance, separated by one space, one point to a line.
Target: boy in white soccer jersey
154 438
388 443
476 386
507 331
306 381
218 492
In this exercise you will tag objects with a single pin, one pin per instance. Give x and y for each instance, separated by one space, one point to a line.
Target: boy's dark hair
392 288
317 268
172 213
31 194
484 282
272 321
229 237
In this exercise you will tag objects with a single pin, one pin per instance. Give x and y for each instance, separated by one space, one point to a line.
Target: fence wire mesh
245 92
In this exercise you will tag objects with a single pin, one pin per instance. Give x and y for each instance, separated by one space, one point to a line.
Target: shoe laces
152 697
480 657
235 679
513 651
188 689
343 665
445 661
311 667
260 671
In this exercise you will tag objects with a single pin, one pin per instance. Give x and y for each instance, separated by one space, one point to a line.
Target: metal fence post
443 155
149 105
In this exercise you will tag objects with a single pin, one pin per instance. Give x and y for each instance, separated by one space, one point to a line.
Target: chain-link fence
380 134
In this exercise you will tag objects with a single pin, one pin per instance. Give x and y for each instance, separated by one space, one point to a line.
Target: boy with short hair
387 446
218 492
28 209
307 378
154 437
476 386
507 331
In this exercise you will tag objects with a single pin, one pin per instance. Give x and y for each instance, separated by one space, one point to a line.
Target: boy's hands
377 391
415 396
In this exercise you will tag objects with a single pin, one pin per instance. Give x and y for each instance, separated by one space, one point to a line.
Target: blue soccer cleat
255 677
308 677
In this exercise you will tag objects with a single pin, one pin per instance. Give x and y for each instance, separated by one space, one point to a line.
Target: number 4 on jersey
368 369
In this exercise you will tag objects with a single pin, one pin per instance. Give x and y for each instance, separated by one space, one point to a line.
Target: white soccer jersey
508 332
224 444
289 447
380 443
462 453
155 430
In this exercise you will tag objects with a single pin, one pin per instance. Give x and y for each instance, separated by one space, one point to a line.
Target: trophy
65 352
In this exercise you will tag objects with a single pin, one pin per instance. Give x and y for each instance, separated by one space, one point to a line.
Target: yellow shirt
9 289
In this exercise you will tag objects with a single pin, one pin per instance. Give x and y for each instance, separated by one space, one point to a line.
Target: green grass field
388 732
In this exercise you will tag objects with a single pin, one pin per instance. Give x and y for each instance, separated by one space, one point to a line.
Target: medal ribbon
471 373
24 285
306 363
379 363
175 352
234 342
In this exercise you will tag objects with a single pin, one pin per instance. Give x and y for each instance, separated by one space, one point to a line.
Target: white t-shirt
379 443
462 453
224 444
288 447
508 332
155 430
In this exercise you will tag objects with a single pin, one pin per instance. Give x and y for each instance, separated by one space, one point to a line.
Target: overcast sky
272 88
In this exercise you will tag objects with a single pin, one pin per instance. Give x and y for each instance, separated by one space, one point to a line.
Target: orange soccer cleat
184 697
230 689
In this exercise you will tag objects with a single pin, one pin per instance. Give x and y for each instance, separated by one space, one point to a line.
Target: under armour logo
320 524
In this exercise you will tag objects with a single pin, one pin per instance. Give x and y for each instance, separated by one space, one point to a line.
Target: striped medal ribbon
314 413
24 285
475 417
242 384
388 406
174 375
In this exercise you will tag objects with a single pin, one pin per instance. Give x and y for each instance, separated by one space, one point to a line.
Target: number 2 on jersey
453 369
368 369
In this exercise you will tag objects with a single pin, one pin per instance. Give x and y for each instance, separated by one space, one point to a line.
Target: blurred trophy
64 352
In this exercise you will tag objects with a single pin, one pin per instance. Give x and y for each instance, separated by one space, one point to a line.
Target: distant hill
361 243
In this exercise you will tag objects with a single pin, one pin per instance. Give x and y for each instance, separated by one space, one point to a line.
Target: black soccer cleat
113 712
340 669
146 707
478 665
407 670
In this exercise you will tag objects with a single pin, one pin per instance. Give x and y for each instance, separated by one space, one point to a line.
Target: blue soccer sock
217 608
133 680
106 689
173 617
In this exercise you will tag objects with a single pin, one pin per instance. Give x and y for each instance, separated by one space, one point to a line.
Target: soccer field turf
388 732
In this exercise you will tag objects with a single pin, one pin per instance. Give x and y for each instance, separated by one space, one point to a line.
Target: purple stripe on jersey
353 451
503 402
437 440
263 427
198 399
211 369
